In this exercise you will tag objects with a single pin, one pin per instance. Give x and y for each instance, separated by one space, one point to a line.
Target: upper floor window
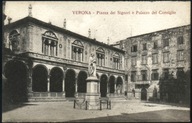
133 76
145 46
144 75
155 58
134 48
134 61
155 45
77 50
155 74
144 59
126 77
14 40
166 42
166 73
100 57
180 40
180 55
49 43
166 57
116 61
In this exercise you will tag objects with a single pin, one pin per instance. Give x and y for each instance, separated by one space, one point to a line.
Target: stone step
46 99
54 99
117 98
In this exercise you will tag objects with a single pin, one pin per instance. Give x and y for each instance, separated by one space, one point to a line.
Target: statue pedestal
92 95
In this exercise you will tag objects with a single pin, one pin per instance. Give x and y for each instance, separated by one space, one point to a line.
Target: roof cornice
59 29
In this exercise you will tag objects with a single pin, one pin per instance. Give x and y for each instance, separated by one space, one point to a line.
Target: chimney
89 33
50 22
108 40
30 10
9 20
64 24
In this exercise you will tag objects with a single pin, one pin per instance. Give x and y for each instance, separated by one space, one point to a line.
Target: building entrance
56 79
143 94
81 82
112 84
103 86
70 83
39 77
119 85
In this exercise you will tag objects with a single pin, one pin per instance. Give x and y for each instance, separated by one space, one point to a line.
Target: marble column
115 92
49 48
63 86
48 85
76 86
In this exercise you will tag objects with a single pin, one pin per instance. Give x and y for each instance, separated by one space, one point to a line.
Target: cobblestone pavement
126 110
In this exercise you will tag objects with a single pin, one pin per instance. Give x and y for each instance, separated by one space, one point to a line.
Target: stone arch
116 60
81 82
39 78
119 84
56 79
16 73
103 85
100 56
50 34
77 50
49 43
112 84
14 36
70 78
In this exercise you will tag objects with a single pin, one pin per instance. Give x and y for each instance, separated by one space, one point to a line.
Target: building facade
43 61
151 57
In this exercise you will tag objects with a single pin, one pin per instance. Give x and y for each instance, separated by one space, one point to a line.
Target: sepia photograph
96 61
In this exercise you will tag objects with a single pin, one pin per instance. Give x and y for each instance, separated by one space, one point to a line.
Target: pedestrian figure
126 95
133 91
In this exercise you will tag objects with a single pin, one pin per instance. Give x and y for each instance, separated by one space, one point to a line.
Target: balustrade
66 61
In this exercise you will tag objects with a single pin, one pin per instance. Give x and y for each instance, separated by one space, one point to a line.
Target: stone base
92 83
92 95
92 100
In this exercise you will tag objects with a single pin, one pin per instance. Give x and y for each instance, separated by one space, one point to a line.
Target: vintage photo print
122 61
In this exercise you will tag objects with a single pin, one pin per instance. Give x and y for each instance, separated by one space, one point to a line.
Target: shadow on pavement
169 115
172 104
9 107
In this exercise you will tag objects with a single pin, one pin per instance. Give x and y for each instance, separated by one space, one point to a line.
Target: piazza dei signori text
43 62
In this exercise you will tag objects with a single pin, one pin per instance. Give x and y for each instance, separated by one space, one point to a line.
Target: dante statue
92 65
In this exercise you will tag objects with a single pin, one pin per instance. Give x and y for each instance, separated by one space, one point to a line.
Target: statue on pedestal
92 65
92 94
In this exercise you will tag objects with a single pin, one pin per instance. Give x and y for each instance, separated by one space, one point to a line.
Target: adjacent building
151 56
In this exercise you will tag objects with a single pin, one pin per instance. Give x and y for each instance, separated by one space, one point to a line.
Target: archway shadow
9 107
167 103
169 115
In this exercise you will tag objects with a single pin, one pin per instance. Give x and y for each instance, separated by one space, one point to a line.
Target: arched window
14 40
77 51
49 43
116 60
100 56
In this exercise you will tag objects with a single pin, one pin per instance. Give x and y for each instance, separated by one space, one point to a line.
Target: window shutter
157 75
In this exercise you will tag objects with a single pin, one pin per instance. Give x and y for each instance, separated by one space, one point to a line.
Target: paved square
127 111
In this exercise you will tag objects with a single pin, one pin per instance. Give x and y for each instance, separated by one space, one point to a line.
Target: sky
104 18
